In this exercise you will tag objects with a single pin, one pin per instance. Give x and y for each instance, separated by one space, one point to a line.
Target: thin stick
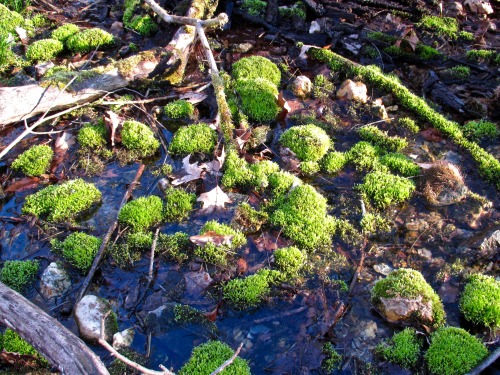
277 316
228 362
107 237
358 269
143 101
152 259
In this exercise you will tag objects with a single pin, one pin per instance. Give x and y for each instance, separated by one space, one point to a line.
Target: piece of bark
50 338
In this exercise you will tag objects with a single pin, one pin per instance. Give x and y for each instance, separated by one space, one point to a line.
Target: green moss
281 182
174 246
460 72
408 283
289 261
380 138
308 142
302 215
259 136
43 50
374 224
480 54
247 292
143 24
480 301
385 189
207 357
193 138
479 130
442 26
333 162
364 155
79 249
260 173
247 219
179 109
322 88
62 202
427 52
65 31
309 168
400 164
178 204
297 10
256 67
466 35
236 171
402 349
140 240
380 36
34 161
138 137
454 351
394 51
9 20
7 57
13 343
332 360
258 99
92 136
142 213
18 274
409 124
89 40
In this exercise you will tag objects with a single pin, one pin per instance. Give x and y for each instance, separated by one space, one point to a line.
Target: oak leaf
213 200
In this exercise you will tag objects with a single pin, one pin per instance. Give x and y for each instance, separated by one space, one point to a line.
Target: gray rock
242 47
482 246
398 309
383 268
302 87
55 281
123 339
88 313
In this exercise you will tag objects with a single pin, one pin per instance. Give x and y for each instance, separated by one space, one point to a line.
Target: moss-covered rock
193 138
385 189
34 161
308 142
480 301
43 50
256 67
207 357
404 294
79 249
142 213
92 136
138 137
89 40
62 202
63 32
179 109
453 351
258 99
18 274
178 204
402 349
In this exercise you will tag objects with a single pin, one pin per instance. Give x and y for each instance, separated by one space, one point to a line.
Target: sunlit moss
79 249
254 67
43 50
18 274
480 301
92 136
258 99
380 138
402 349
142 213
65 31
333 162
34 161
13 343
178 204
308 142
137 136
442 26
193 138
179 109
89 40
385 189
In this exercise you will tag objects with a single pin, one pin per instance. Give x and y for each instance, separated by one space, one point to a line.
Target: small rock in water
123 339
88 313
315 27
425 253
302 87
351 90
55 281
242 47
443 184
383 268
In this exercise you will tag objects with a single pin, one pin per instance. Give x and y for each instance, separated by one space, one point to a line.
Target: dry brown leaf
211 236
213 200
23 184
283 104
64 142
215 166
408 35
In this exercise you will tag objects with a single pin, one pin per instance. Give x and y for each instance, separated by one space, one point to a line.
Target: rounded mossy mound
256 67
44 50
18 274
249 291
179 109
333 162
400 164
385 189
63 32
142 213
92 136
138 137
453 351
258 99
402 349
9 20
207 357
405 295
308 142
79 249
193 138
289 260
62 202
89 40
34 161
178 204
480 301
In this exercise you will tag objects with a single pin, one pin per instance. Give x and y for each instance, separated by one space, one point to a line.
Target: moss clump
79 249
384 188
34 161
333 162
254 7
179 109
483 55
138 137
247 219
402 349
174 246
256 67
92 136
302 215
236 171
64 32
178 204
364 155
480 130
309 168
207 357
89 40
297 10
43 50
9 20
427 52
453 351
460 72
322 87
281 182
289 261
400 164
332 360
409 124
308 142
13 343
380 138
193 138
372 224
18 274
143 24
62 202
408 283
140 240
260 173
443 26
258 99
142 213
247 292
480 301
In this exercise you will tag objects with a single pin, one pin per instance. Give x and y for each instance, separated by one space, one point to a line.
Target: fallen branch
107 237
228 362
51 339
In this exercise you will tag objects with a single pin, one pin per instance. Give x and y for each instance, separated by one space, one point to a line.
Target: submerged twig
152 259
228 362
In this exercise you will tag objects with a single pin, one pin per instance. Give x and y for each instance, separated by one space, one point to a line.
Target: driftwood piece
57 344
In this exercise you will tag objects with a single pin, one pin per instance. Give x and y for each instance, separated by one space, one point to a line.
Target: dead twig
228 362
358 269
152 259
277 316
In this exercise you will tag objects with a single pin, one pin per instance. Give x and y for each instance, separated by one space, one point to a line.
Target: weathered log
56 343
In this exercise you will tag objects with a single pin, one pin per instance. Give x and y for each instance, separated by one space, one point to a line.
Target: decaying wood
58 345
